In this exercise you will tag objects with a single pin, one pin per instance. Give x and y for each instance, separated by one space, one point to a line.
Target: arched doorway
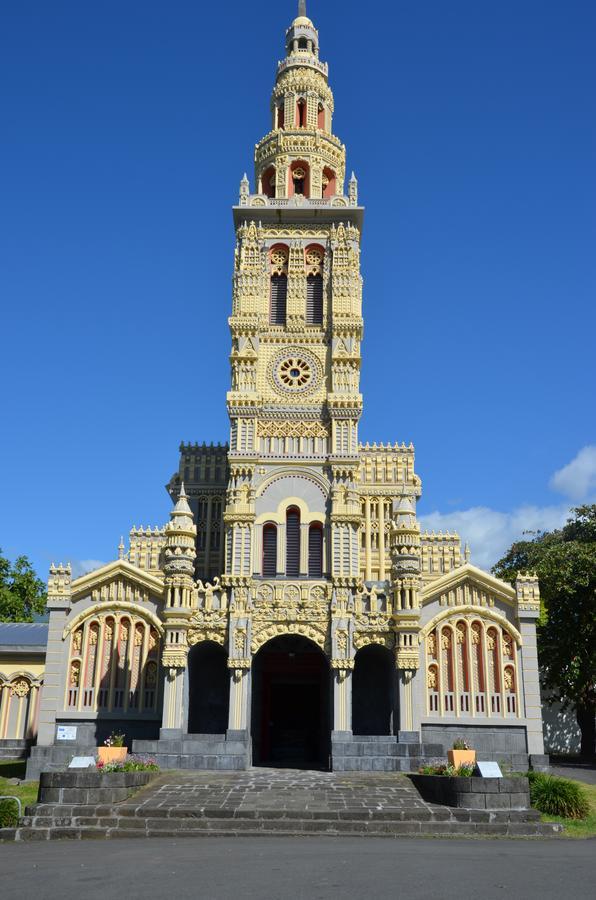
290 705
209 689
374 691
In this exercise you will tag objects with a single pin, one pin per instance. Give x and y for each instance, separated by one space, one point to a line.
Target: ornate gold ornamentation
151 674
431 678
77 640
75 674
239 638
279 261
20 688
341 637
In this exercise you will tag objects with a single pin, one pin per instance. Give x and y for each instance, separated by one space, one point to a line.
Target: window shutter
315 551
292 543
314 299
269 551
279 293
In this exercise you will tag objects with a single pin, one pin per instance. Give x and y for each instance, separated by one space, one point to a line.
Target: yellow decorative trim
113 607
317 635
471 612
83 585
460 575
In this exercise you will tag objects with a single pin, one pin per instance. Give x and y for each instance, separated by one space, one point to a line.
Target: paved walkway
279 789
585 772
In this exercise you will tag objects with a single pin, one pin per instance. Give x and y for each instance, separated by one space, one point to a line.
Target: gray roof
25 635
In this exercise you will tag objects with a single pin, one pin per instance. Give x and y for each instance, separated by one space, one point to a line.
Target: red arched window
268 182
269 551
301 113
321 117
280 115
292 542
315 550
299 180
329 183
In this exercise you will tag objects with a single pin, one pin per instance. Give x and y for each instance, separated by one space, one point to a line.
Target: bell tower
296 326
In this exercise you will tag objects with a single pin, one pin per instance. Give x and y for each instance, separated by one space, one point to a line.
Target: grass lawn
579 828
26 790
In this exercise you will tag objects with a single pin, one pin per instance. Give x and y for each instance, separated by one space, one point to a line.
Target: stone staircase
272 802
383 753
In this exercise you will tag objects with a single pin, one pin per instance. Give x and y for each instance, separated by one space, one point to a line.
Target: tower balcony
302 58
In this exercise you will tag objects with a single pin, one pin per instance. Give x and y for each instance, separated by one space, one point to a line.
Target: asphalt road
276 868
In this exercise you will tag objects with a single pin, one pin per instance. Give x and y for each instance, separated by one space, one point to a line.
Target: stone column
342 695
528 610
173 703
382 574
367 547
52 693
239 694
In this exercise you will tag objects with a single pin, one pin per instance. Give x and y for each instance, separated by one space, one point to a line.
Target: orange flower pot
111 754
459 758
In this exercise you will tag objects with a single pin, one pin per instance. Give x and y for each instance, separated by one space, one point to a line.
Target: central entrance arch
209 689
291 705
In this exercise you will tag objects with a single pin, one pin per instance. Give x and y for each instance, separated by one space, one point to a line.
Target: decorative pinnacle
302 8
467 552
121 548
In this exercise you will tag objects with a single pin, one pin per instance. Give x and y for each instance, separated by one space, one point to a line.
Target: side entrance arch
374 692
209 689
290 714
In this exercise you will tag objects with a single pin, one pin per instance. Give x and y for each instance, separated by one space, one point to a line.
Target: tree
565 561
22 593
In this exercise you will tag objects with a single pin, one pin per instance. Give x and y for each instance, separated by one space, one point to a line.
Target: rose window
294 372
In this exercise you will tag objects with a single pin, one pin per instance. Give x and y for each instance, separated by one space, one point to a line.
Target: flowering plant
460 744
132 764
114 740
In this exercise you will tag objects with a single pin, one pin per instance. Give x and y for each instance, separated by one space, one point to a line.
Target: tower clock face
295 370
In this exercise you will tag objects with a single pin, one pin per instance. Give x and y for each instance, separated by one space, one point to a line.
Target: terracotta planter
111 754
459 758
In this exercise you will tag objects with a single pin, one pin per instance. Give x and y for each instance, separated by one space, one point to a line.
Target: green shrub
558 796
9 814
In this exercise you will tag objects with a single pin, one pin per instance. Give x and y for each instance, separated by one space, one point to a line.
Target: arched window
302 44
279 286
280 115
314 285
321 117
301 113
268 182
299 182
315 550
292 542
329 183
269 551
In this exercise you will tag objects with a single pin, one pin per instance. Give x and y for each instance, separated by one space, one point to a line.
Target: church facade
292 611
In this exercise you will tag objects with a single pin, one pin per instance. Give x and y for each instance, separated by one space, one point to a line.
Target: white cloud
82 566
577 480
489 532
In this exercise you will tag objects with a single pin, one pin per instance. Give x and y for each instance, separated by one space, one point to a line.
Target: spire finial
302 8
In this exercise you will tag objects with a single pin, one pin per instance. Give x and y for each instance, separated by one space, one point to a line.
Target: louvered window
279 293
269 551
314 299
315 551
292 542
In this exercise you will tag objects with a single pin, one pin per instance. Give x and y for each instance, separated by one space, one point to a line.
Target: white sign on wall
489 770
81 762
66 733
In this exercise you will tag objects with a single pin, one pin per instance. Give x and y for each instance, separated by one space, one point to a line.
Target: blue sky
126 129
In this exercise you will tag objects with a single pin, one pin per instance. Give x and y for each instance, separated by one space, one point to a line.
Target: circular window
295 370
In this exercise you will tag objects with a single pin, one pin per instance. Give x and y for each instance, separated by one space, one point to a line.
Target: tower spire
302 8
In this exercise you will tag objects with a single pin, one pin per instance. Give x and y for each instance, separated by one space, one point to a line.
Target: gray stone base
382 753
474 792
174 750
505 744
90 787
11 748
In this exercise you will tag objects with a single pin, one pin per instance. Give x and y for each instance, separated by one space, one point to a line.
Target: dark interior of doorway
209 689
374 692
290 705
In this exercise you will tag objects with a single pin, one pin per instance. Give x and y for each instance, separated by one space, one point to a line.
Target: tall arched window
321 116
293 542
280 115
329 183
299 180
269 551
279 286
315 550
301 113
314 285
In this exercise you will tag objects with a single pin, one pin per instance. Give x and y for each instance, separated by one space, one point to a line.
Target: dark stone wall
474 792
